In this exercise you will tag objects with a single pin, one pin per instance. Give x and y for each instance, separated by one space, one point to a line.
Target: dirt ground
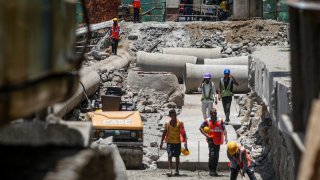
158 174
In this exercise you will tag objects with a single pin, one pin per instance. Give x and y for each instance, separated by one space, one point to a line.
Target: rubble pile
236 38
254 133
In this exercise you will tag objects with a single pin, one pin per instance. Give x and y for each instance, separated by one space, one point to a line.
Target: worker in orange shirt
136 7
115 36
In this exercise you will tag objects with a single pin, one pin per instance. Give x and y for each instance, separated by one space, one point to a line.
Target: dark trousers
188 11
114 45
213 155
226 102
136 17
235 172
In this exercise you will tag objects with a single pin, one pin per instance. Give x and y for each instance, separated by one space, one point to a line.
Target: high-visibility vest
242 156
136 4
204 97
216 131
115 32
181 129
237 161
226 92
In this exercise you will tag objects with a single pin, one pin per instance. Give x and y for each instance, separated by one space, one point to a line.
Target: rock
170 105
224 55
133 36
235 47
218 32
96 55
153 144
154 157
104 78
117 79
148 109
228 51
245 42
237 40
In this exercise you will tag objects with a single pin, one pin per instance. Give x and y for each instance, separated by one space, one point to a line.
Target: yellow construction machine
119 120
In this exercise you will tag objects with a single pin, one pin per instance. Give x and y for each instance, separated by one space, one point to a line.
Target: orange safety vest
136 4
216 132
182 131
240 161
115 32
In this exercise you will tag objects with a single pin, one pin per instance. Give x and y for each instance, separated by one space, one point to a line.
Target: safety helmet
207 76
206 129
185 152
232 148
115 19
226 71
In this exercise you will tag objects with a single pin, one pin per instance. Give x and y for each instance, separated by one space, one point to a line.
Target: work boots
213 173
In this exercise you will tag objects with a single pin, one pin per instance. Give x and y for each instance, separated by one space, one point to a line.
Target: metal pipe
194 73
200 53
242 60
164 62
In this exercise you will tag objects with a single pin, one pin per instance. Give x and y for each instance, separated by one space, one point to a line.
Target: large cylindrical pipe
200 53
89 84
194 74
242 60
164 62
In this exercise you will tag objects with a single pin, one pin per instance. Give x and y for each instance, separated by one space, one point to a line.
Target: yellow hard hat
115 19
206 129
232 148
185 152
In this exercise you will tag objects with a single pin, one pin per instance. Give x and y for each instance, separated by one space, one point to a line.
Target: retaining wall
269 77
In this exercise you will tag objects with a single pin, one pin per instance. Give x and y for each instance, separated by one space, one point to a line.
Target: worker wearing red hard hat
208 90
240 161
214 131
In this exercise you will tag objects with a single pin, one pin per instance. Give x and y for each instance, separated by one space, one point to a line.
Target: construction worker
173 134
214 130
224 12
226 92
136 8
115 36
240 161
208 90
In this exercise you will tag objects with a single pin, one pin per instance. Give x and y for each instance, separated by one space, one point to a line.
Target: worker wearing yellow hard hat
214 131
240 161
115 36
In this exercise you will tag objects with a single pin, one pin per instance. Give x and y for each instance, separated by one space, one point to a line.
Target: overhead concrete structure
242 60
194 73
164 62
200 53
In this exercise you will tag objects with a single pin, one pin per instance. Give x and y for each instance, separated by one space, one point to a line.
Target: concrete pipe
164 62
90 83
200 53
194 73
242 60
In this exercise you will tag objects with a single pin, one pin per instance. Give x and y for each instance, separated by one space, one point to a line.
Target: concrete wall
102 10
270 79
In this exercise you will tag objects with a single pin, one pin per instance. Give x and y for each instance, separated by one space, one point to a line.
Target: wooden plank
310 164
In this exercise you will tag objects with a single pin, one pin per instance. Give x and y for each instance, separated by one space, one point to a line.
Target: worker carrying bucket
215 132
240 161
208 90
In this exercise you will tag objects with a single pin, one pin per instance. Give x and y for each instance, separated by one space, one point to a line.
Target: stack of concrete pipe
164 62
193 76
200 53
242 60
